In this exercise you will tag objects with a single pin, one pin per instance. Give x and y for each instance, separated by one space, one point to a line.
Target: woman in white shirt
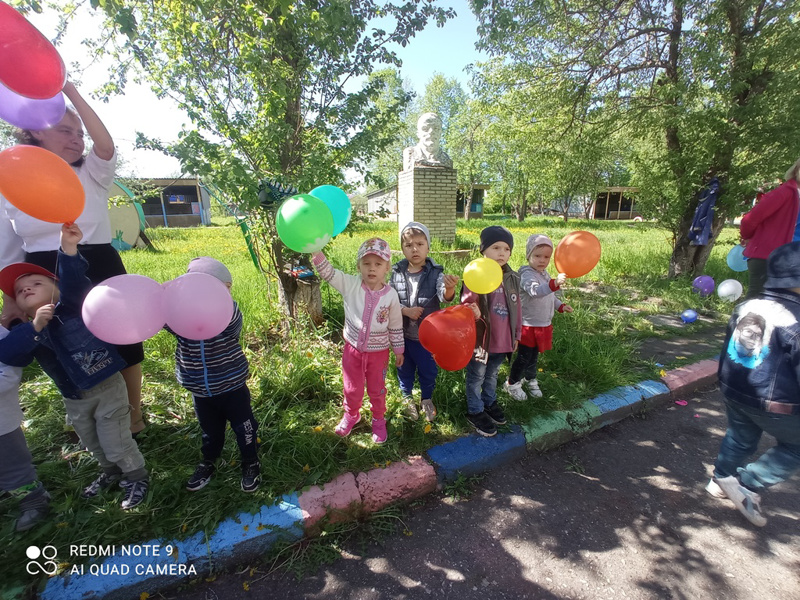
24 238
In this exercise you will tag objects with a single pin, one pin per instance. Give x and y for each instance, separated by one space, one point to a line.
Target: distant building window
177 199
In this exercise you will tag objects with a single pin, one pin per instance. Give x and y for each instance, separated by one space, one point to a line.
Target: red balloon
41 184
29 64
449 335
577 253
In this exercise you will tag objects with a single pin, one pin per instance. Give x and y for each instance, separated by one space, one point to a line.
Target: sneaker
409 409
713 489
496 414
533 388
379 434
201 477
100 484
32 512
748 503
251 476
135 492
515 391
483 424
428 409
346 425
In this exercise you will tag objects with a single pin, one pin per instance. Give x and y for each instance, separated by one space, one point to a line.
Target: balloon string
53 297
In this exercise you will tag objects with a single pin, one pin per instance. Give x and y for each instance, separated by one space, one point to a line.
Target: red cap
9 275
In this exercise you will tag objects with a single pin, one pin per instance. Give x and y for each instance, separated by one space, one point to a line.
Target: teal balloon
736 259
304 223
338 202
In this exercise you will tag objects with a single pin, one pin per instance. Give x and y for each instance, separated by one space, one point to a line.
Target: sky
447 50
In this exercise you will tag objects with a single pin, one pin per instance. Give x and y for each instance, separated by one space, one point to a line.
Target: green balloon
304 223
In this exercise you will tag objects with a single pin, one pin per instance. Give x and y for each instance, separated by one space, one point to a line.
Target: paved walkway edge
349 495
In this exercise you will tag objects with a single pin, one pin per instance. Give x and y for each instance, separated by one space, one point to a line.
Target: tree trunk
691 260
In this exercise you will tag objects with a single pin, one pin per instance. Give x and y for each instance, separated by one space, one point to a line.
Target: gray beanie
210 266
783 267
420 227
536 239
493 234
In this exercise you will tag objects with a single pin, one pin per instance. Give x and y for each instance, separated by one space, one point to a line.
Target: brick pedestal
428 195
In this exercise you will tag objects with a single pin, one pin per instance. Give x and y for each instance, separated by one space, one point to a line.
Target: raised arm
103 144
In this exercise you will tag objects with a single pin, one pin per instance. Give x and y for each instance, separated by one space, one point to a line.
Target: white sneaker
533 388
515 391
748 503
713 489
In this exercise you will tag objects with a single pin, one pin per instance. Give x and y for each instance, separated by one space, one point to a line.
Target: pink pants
359 368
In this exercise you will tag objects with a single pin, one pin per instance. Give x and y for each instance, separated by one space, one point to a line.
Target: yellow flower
662 373
306 468
184 527
553 375
408 532
246 527
246 586
680 357
144 596
318 428
427 428
541 370
388 462
310 354
62 524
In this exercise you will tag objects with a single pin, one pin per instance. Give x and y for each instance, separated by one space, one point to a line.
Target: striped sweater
214 366
372 320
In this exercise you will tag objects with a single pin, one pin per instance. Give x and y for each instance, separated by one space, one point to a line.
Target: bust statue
427 151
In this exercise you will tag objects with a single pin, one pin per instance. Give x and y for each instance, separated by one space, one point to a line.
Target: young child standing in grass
85 369
539 303
17 473
421 285
215 371
373 324
498 330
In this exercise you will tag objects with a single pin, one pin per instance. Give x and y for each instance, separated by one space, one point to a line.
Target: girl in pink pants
372 324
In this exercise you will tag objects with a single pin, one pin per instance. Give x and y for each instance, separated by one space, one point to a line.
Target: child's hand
450 282
566 308
71 234
560 279
44 315
412 312
398 360
475 310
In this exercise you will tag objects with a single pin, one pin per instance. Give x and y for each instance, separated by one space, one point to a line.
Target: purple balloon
198 306
125 309
703 285
30 113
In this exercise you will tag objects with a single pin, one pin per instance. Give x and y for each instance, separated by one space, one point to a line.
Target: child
421 285
17 474
85 369
215 371
760 379
538 305
373 323
498 330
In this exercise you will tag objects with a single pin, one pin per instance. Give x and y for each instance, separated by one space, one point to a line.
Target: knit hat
210 266
495 233
9 275
783 267
376 246
536 239
415 225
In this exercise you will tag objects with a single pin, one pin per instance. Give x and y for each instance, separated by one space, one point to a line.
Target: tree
700 88
267 87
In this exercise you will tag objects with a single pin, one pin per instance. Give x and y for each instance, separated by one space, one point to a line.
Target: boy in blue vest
421 285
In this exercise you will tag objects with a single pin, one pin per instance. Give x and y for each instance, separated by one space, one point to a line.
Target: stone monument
426 187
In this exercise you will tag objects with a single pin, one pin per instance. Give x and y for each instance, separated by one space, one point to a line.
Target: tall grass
296 382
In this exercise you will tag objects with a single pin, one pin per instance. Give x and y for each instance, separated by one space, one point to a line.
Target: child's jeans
482 383
359 368
214 413
417 361
17 469
102 420
524 366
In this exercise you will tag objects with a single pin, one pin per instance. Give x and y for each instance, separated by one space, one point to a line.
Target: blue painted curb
474 454
161 564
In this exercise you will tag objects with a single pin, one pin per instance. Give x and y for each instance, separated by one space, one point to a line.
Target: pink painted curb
691 377
338 499
399 482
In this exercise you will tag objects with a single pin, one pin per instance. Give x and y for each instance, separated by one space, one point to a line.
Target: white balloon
730 290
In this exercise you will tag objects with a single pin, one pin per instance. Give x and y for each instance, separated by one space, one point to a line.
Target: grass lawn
296 382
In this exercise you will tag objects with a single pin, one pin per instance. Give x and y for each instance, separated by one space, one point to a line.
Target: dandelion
541 370
318 428
246 586
306 468
408 532
427 428
554 375
662 373
144 596
246 527
388 462
310 354
62 524
680 358
184 527
260 527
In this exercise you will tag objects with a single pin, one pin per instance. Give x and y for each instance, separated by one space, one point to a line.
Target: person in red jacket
769 224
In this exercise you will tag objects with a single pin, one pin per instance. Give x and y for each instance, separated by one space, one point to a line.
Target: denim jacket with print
67 351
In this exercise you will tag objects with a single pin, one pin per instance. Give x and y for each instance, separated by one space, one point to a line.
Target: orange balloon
577 253
41 184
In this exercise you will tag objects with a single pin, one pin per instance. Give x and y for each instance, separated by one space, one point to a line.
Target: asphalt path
621 513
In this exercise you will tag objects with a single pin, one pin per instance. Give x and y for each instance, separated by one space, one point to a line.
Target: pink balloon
30 113
198 306
125 309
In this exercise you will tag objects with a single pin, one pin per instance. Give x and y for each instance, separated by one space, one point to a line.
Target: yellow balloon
483 275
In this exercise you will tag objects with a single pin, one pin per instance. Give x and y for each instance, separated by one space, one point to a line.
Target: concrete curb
123 576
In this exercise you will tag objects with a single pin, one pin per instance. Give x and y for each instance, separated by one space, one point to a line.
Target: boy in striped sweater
215 371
